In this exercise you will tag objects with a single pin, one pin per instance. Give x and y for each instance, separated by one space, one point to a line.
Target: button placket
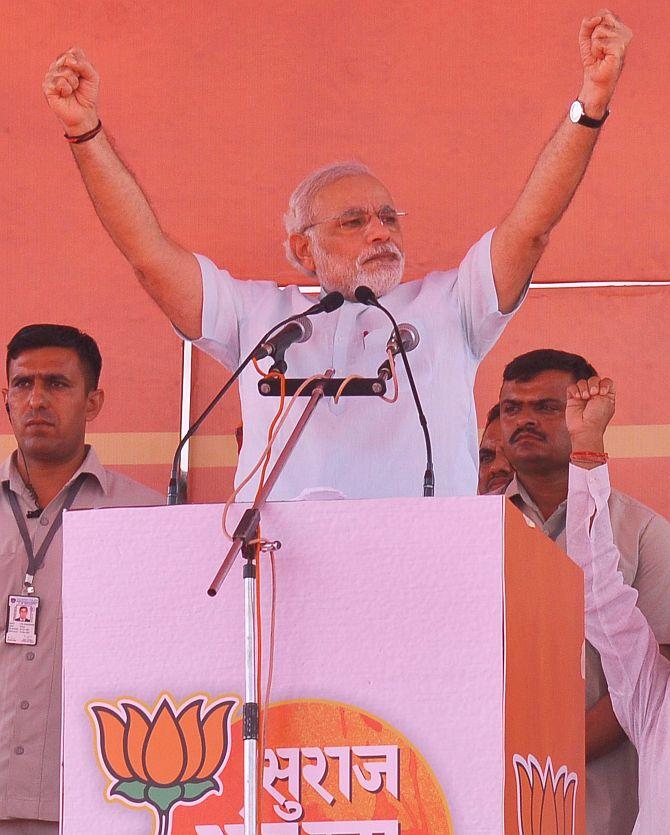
341 343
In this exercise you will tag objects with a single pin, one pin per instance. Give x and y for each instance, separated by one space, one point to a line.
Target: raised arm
636 672
521 238
168 272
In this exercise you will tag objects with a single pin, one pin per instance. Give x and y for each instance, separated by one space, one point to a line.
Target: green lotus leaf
133 790
163 797
194 791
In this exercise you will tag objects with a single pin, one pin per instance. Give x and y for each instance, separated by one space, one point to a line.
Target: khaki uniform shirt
643 539
30 676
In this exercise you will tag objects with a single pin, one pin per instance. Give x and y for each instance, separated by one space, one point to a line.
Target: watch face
576 111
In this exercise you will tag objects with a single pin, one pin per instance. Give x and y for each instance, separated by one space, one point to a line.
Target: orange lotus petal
548 813
560 804
215 731
137 728
537 799
569 808
110 728
191 728
525 799
164 749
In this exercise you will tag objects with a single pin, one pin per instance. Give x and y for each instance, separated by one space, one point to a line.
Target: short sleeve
478 301
226 302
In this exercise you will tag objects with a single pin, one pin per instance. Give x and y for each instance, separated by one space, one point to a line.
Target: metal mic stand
245 535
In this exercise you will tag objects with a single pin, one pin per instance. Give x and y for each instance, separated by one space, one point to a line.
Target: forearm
521 238
614 625
168 272
119 202
603 731
553 182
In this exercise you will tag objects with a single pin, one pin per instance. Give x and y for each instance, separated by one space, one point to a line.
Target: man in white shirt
537 443
638 675
343 228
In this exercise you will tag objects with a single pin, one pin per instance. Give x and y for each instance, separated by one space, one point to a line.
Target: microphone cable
365 295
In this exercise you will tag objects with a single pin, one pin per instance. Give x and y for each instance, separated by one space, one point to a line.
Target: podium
428 672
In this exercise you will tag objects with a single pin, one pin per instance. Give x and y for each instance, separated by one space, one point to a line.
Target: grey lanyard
35 560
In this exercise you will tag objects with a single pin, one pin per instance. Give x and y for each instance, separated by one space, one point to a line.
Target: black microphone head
364 295
331 301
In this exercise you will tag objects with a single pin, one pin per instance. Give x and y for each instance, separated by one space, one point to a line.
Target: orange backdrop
221 108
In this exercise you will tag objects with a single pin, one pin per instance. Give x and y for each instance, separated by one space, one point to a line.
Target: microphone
410 339
330 302
299 330
365 295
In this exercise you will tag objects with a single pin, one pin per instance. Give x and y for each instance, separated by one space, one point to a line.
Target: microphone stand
245 535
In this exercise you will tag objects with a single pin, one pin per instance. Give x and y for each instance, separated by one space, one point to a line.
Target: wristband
84 137
585 457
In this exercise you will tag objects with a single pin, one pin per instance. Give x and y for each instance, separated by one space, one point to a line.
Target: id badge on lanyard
23 608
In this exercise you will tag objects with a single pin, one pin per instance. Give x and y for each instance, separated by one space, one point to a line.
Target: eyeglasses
356 220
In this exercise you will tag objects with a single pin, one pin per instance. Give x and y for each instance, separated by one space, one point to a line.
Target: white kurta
637 674
361 446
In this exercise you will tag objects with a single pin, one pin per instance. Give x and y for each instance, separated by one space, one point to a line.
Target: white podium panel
396 702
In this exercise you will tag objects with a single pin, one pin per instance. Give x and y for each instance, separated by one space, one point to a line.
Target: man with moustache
52 394
495 471
537 443
344 228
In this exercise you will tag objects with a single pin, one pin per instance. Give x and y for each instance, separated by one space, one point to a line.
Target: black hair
493 414
59 336
526 367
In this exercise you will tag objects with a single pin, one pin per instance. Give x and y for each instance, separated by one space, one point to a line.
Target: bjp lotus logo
165 756
545 800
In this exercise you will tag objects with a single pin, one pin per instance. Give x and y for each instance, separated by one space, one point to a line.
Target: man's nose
38 396
525 418
501 464
376 231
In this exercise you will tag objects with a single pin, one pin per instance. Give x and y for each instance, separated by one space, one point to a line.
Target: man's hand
589 409
603 40
71 88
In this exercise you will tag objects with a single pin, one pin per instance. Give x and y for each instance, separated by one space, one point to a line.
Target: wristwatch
578 117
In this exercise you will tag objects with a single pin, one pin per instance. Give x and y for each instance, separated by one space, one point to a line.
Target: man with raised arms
344 228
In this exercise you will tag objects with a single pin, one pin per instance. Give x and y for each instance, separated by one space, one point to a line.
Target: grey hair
300 203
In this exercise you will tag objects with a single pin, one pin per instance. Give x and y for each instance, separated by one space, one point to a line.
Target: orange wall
221 108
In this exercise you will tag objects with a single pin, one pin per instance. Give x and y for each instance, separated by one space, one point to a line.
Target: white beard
335 273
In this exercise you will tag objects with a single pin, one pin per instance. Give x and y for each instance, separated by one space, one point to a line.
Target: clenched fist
71 88
589 409
603 40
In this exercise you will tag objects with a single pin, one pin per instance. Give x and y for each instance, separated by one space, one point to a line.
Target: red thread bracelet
583 455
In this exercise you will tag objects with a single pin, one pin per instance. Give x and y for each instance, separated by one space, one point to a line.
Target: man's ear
301 247
94 400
